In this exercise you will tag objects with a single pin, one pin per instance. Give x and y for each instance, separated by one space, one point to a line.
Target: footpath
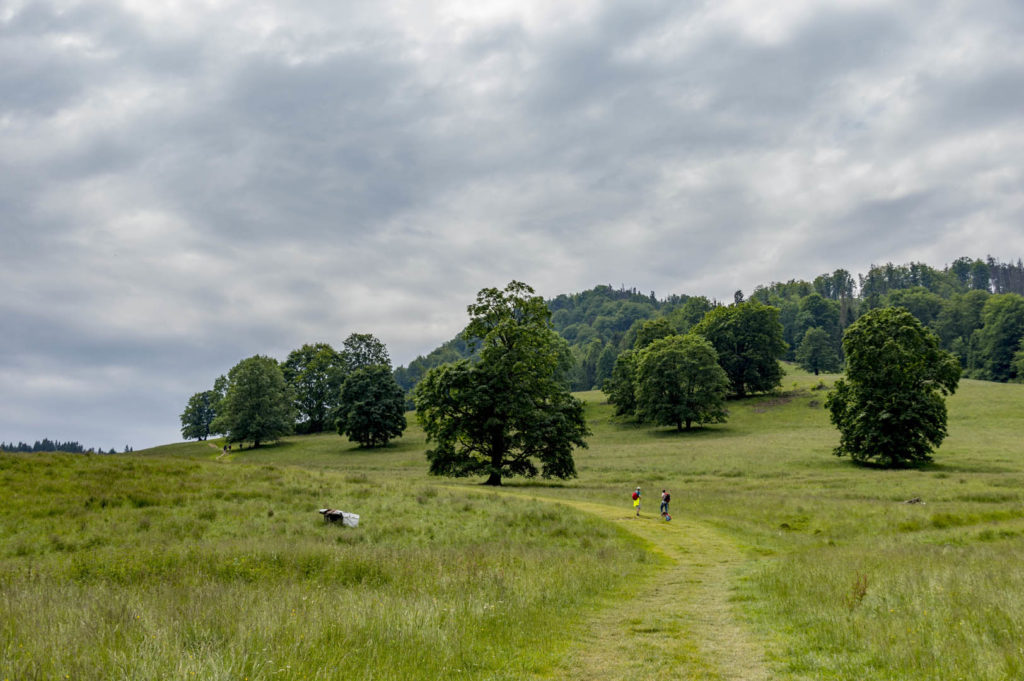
681 624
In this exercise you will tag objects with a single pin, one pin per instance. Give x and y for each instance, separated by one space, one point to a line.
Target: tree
651 331
372 407
258 404
748 339
314 373
495 415
679 381
816 352
890 409
199 415
621 387
689 314
364 350
1018 363
999 336
605 364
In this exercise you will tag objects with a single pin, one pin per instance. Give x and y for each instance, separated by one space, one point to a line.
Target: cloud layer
188 184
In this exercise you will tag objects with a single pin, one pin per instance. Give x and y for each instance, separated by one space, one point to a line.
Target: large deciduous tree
197 419
314 373
258 404
748 339
679 381
497 414
372 407
890 409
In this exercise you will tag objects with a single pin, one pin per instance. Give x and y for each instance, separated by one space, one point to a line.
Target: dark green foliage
48 445
999 336
363 350
621 387
314 373
679 382
816 352
494 416
199 414
835 286
653 330
1018 363
957 321
919 301
881 279
686 316
372 407
605 364
258 404
890 409
748 340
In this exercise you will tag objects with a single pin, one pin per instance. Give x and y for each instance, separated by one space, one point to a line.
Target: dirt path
681 625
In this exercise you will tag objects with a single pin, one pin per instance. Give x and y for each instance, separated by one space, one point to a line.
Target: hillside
179 562
974 306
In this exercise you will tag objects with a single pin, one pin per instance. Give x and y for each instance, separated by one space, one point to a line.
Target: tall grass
127 568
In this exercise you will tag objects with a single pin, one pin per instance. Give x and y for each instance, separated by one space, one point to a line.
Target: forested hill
976 307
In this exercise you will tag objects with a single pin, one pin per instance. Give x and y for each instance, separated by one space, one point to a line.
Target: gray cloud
187 187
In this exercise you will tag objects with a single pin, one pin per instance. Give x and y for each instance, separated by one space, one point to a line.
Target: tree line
316 388
508 407
48 445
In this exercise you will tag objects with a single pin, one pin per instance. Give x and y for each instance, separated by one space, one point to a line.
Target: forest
974 306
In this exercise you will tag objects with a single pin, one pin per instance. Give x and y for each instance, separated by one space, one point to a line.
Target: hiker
665 498
636 501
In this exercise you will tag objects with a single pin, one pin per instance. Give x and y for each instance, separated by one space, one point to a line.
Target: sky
184 184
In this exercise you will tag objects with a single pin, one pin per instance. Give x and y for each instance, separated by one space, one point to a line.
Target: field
782 561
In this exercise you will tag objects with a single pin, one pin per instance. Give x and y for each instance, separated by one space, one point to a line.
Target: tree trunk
497 456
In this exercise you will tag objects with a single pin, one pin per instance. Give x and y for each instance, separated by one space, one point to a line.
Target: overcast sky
184 184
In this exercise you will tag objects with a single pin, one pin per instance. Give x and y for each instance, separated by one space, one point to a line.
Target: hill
974 306
782 561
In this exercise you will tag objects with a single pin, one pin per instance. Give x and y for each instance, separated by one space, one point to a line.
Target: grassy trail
679 623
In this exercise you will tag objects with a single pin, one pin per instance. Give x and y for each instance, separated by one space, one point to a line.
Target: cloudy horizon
188 184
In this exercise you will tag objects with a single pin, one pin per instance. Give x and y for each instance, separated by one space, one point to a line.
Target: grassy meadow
180 563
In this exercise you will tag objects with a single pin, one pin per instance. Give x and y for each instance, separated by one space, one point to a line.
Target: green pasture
179 562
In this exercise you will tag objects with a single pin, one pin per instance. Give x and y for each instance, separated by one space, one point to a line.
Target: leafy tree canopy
364 350
890 409
1000 336
199 414
314 373
496 415
621 387
748 339
679 381
258 404
653 330
816 353
372 407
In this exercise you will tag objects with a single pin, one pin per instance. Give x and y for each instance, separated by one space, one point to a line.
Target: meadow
177 562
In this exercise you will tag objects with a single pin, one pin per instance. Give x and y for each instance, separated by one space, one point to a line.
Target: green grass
179 563
156 568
